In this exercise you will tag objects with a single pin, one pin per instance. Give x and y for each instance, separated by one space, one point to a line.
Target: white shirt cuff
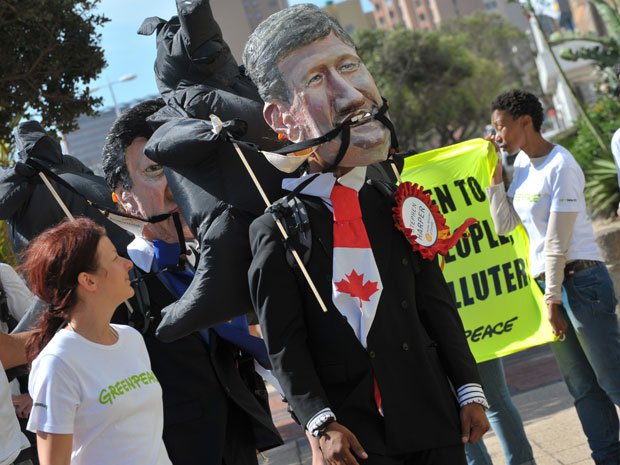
319 419
471 393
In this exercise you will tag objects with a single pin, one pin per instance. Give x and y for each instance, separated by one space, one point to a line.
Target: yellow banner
502 308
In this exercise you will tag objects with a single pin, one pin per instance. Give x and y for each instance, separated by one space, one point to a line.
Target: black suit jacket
208 409
415 346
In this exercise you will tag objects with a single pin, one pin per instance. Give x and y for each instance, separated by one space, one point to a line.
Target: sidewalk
539 393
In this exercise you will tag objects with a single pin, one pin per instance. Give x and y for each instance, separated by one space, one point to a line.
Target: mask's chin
368 145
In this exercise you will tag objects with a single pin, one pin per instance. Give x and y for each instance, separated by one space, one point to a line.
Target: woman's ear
87 281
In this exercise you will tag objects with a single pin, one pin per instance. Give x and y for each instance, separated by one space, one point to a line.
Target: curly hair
129 126
518 102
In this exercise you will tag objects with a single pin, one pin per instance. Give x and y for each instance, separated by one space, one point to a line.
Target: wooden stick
393 165
64 208
56 196
296 256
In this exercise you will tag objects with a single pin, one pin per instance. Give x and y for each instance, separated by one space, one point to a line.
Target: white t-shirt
106 396
18 296
12 440
555 185
615 150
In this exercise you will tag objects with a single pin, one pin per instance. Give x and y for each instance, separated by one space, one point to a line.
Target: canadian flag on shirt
356 284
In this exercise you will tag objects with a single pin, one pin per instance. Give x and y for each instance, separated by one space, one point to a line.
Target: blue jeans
589 358
504 418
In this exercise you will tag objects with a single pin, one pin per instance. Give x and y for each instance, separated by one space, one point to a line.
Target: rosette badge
422 223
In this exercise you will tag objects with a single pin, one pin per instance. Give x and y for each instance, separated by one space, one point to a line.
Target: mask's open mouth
357 118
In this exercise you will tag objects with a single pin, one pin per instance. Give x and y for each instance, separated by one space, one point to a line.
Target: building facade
350 15
425 15
238 18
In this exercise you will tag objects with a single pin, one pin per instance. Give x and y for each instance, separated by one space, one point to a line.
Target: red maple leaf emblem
355 286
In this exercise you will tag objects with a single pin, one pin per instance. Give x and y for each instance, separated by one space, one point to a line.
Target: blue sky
128 53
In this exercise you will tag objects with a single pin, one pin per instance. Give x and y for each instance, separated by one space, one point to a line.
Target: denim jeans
589 358
504 418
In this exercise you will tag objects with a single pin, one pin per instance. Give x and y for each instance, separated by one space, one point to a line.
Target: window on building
391 13
377 6
422 17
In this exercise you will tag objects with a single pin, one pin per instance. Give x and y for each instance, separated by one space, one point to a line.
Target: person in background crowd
502 413
17 295
96 399
546 195
615 140
12 440
15 300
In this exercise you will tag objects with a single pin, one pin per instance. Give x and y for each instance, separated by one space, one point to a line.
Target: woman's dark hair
519 102
51 265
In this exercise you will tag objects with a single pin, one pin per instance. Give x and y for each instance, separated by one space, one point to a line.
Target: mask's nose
345 95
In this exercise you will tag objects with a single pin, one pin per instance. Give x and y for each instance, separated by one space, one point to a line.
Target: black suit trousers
450 455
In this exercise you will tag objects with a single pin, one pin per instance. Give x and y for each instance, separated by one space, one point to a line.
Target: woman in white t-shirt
96 399
546 195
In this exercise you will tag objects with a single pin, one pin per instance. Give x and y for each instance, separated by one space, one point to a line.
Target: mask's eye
154 170
314 79
350 66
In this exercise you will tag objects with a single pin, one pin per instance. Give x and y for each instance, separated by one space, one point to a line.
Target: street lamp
110 84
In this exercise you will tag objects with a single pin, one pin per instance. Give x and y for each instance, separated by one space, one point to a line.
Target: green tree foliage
440 84
492 37
601 189
6 251
50 50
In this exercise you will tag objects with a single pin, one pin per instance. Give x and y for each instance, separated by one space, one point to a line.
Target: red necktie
356 283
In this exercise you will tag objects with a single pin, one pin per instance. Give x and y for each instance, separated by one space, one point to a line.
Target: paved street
538 392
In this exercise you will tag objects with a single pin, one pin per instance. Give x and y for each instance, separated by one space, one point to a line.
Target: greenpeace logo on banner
490 330
488 274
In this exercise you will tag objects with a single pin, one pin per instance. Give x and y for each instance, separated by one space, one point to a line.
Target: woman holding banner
546 195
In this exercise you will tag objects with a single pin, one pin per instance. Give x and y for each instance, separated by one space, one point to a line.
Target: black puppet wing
27 204
190 49
217 197
197 74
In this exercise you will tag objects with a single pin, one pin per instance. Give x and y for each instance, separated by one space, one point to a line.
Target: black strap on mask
108 213
344 130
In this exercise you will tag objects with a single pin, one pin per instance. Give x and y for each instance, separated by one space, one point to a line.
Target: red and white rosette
422 223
